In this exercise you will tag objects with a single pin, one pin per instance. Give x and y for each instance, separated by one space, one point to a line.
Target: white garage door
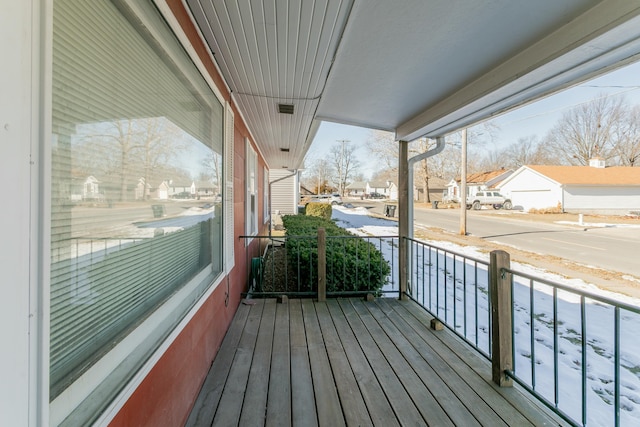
537 199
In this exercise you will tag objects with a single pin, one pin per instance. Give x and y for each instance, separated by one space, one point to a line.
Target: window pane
136 178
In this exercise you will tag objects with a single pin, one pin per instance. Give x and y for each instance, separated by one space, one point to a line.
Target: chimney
597 162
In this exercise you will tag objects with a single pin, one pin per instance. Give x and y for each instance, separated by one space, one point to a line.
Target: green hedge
353 264
322 210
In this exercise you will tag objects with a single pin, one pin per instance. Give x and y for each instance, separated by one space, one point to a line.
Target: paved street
609 248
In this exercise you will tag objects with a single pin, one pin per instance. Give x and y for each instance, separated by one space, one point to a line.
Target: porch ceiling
414 67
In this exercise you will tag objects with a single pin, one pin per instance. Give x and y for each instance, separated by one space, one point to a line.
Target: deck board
380 410
441 379
303 410
351 399
355 363
426 403
205 407
513 407
452 401
236 385
404 408
254 406
326 392
279 402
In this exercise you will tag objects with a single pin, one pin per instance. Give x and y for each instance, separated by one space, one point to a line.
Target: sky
533 119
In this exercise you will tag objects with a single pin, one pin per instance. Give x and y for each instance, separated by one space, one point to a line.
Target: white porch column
403 216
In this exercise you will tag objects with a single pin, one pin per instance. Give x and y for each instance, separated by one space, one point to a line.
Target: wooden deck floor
351 362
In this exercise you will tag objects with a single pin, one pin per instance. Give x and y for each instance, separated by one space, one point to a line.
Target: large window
252 190
265 204
137 182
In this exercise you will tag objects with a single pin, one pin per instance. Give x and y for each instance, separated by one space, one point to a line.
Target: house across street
579 189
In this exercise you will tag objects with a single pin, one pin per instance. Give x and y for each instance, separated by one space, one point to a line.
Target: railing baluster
513 330
455 301
475 279
616 365
444 273
464 295
437 282
583 322
556 391
423 273
489 310
430 274
532 335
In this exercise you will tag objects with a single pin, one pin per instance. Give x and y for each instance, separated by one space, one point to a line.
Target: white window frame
228 153
251 185
151 328
266 194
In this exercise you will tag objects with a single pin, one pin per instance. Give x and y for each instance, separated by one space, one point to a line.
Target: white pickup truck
492 198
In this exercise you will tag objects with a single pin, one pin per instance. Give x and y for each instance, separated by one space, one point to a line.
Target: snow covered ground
464 283
599 224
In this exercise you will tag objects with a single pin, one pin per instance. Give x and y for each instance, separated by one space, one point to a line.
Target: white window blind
136 155
266 201
228 193
251 190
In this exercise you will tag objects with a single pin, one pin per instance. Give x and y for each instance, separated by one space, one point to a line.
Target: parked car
183 195
492 198
376 196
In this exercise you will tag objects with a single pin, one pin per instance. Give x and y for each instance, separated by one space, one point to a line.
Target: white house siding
530 190
285 194
602 200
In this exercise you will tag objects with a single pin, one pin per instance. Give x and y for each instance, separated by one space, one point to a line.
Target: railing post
322 265
502 324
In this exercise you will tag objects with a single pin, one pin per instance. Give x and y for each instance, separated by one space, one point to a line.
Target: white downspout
412 161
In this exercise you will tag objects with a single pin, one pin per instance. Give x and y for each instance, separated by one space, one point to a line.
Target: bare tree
344 163
125 150
385 149
318 175
158 141
212 171
417 147
529 151
586 131
488 160
447 164
627 138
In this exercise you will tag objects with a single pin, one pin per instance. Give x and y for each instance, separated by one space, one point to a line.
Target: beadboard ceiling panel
413 67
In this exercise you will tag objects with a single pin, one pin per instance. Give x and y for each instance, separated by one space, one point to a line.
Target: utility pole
463 185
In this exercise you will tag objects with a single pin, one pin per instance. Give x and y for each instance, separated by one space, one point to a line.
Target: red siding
167 394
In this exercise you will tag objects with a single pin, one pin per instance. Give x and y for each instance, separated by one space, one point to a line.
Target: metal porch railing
288 265
574 349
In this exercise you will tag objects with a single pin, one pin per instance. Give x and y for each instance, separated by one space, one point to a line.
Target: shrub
353 264
322 210
550 210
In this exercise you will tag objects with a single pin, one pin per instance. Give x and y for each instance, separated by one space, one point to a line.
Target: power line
630 89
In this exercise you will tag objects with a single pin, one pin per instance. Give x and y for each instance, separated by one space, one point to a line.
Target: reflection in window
136 179
252 190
